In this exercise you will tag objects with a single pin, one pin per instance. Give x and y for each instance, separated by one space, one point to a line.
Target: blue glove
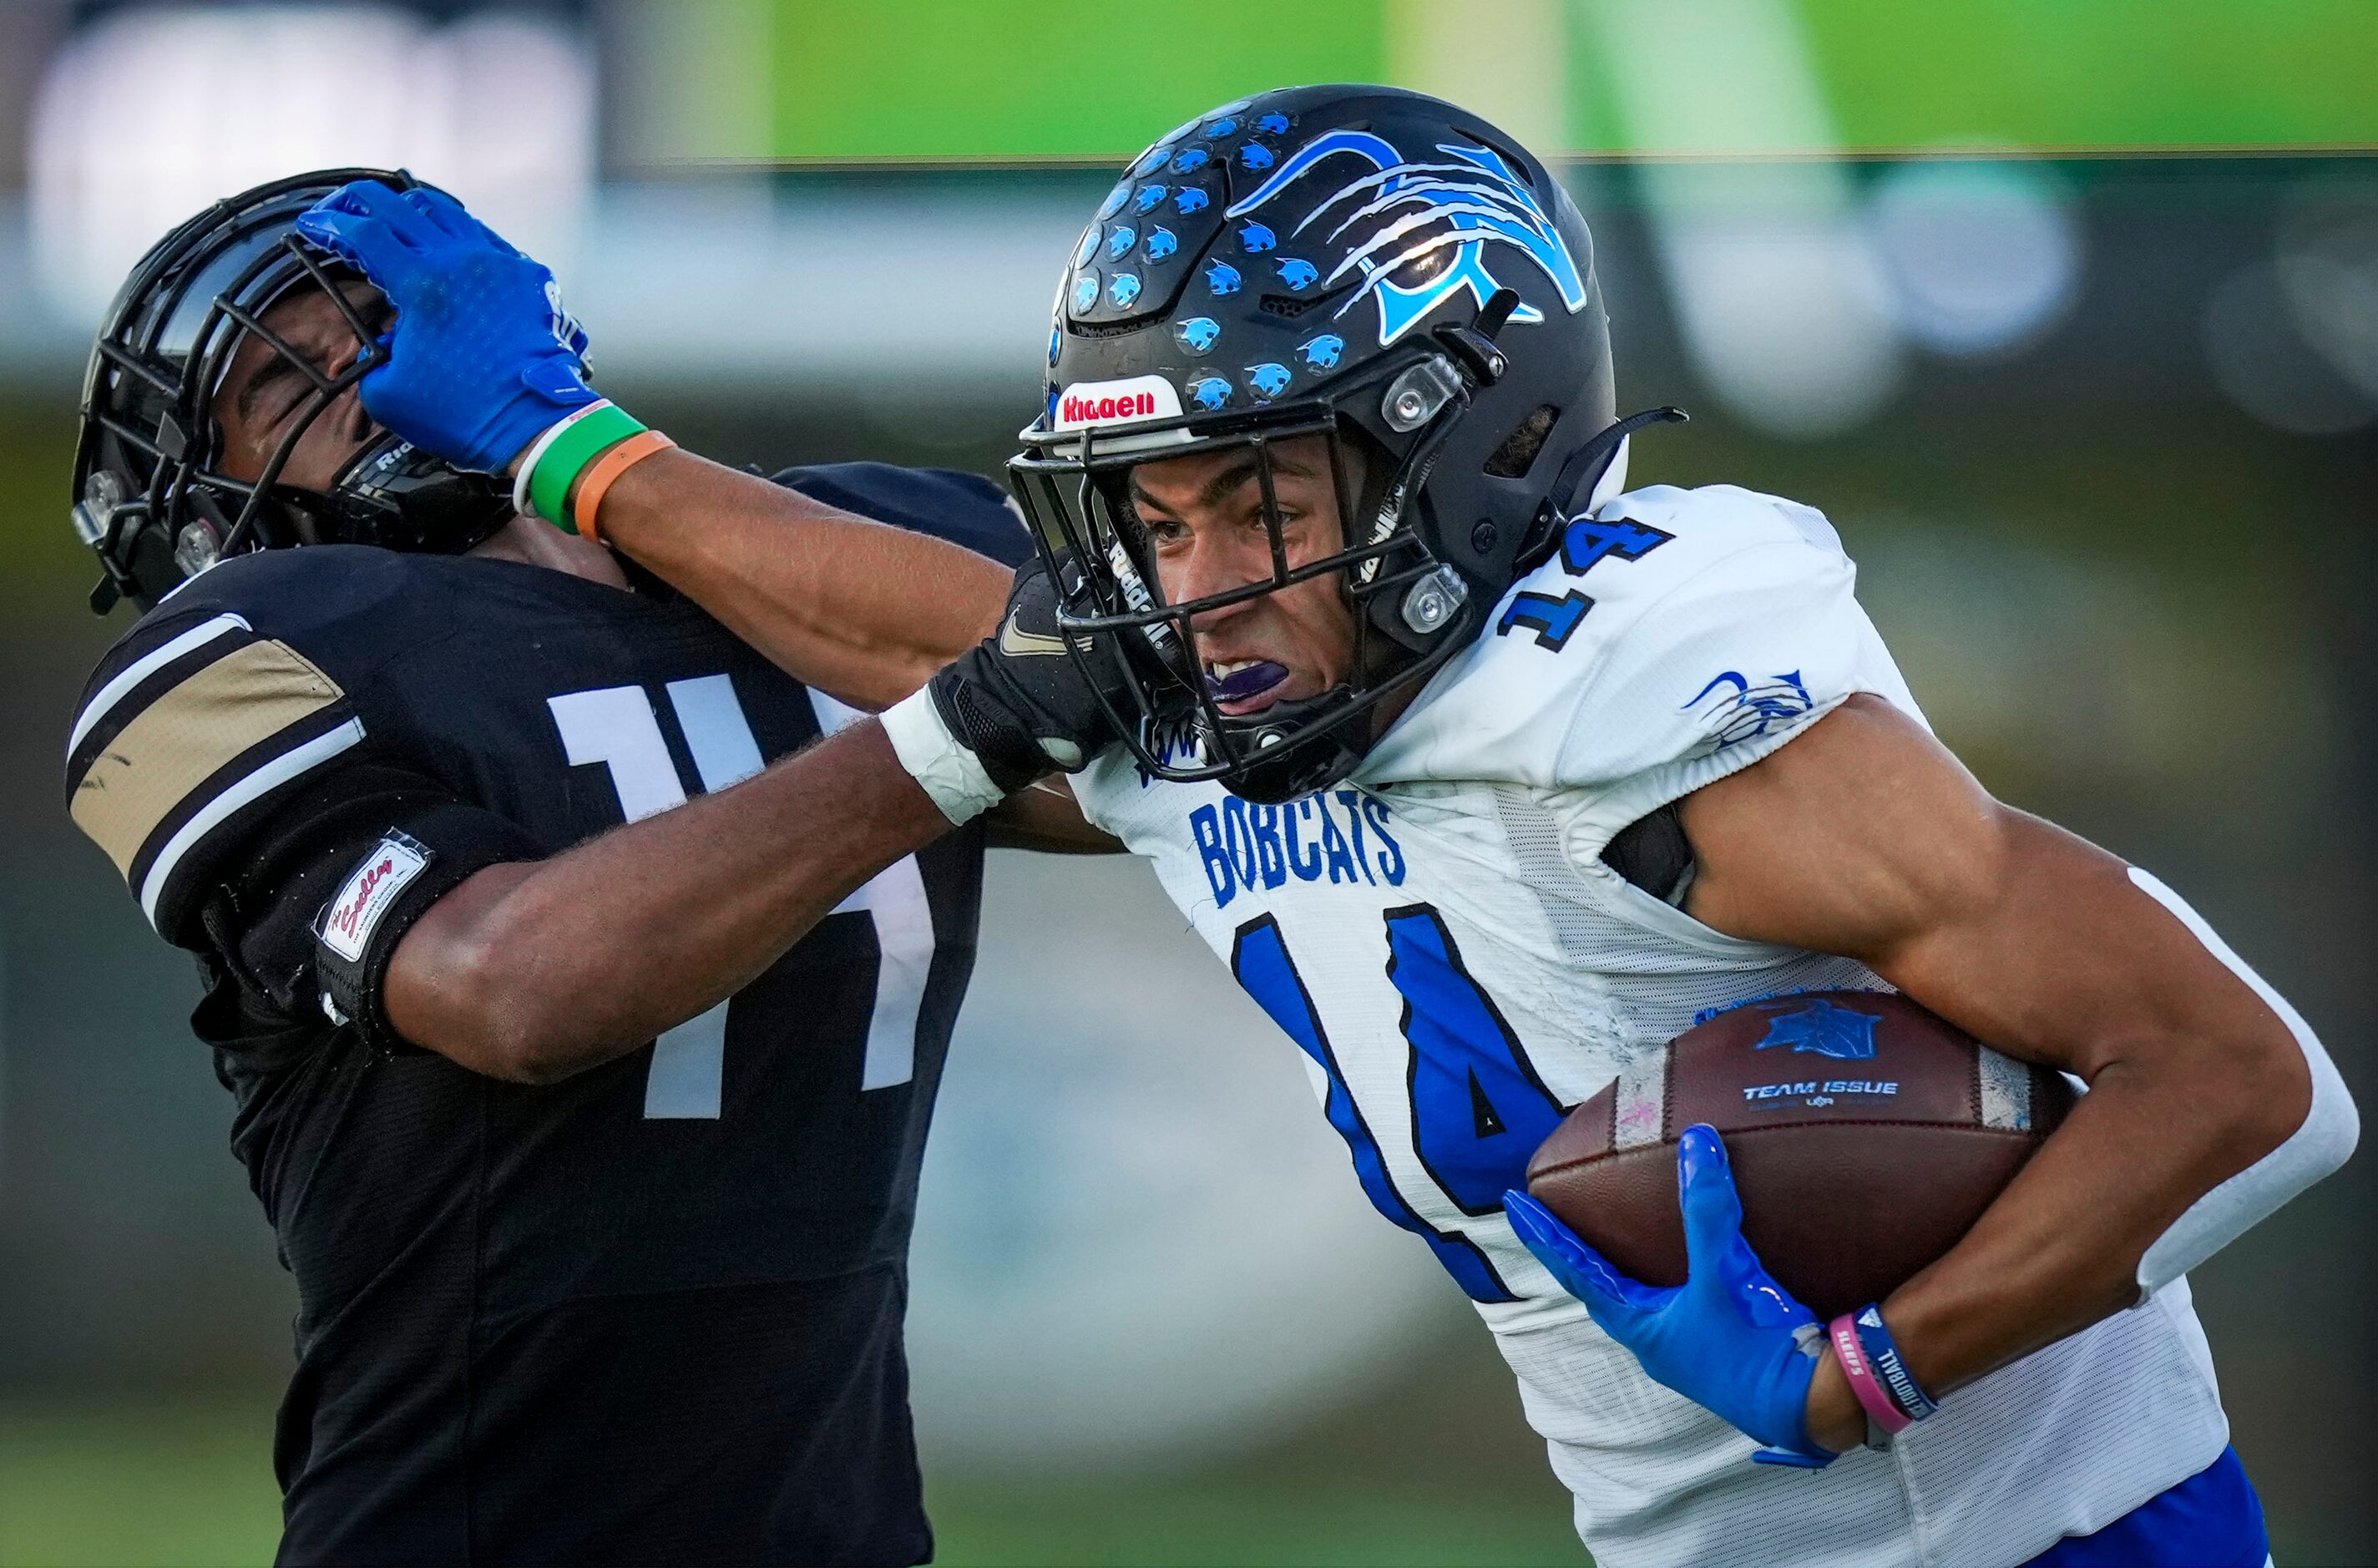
483 359
1730 1338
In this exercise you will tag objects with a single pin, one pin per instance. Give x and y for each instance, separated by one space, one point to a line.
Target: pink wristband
1880 1408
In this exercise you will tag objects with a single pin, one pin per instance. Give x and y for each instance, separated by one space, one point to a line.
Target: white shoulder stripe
142 668
278 772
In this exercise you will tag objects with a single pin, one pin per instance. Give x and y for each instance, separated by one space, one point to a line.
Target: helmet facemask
1409 610
155 496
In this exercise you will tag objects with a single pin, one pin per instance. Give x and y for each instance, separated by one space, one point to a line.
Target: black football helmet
1361 263
150 497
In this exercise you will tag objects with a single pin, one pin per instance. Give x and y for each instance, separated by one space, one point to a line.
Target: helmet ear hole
1520 448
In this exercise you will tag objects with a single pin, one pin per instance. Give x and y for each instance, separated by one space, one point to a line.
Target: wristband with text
566 451
1876 1372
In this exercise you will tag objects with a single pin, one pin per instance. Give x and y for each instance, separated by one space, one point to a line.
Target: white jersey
1443 940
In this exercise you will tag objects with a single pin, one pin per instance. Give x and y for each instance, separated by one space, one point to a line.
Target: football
1867 1135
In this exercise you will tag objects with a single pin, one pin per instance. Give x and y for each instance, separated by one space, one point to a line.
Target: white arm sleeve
2329 1132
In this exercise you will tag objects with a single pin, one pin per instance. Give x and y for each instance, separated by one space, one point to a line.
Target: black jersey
651 1313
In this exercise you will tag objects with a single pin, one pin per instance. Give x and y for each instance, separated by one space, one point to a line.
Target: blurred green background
2093 406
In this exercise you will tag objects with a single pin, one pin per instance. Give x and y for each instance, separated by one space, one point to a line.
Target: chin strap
1580 475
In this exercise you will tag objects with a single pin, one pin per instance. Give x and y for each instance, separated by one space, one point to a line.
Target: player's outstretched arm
2210 1102
536 970
485 370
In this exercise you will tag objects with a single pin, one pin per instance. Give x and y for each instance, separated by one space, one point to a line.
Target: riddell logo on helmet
1126 401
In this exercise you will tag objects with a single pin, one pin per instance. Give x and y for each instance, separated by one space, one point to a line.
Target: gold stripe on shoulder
178 741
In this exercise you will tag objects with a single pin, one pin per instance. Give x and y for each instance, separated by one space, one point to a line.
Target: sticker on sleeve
348 923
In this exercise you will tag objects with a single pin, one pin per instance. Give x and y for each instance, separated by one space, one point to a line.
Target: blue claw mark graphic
1321 352
1198 334
1255 156
1209 393
1189 160
1188 199
1257 238
1113 203
1124 288
1222 277
1160 243
1085 293
1410 210
1268 380
1296 275
1217 129
1150 199
1088 248
1120 239
1273 124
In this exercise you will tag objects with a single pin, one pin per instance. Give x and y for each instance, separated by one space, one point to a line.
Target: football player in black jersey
592 1147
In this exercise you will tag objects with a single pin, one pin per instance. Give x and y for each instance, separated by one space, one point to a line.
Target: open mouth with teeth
1243 686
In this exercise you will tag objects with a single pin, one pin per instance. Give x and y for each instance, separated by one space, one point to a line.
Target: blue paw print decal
1198 334
1188 199
1120 239
1273 124
1321 352
1268 380
1160 243
1297 275
1255 239
1222 277
1113 203
1217 129
1209 393
1085 293
1256 157
1189 160
1124 288
1150 199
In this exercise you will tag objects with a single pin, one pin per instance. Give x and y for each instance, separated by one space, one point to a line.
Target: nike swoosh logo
1019 643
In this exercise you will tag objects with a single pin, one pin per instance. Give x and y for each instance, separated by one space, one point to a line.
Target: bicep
1865 837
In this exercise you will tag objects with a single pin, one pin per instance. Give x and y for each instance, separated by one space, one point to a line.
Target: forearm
860 610
535 971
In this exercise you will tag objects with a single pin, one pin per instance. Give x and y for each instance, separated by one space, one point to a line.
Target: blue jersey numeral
1588 539
1477 1107
1479 1110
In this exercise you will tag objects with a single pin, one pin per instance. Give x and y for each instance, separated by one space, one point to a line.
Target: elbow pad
2317 1147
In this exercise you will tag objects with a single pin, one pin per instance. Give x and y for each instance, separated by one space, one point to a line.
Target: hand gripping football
1867 1135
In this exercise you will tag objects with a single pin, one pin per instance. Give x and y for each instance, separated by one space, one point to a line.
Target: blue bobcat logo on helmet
1824 1029
1119 240
1273 124
1123 289
1321 352
1085 293
1209 393
1256 157
1150 199
1088 248
1268 379
1160 243
1297 275
1189 199
1415 209
1222 277
1255 238
1198 334
1189 160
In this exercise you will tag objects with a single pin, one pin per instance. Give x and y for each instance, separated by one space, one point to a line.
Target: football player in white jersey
1485 775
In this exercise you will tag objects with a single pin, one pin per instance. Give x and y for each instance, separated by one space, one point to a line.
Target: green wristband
557 467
